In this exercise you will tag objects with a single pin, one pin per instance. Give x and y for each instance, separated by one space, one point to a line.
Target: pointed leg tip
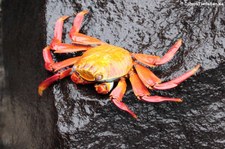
164 86
63 18
159 99
197 66
40 91
134 116
85 11
178 100
180 40
123 107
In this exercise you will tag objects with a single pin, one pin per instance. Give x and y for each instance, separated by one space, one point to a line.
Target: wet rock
85 119
88 120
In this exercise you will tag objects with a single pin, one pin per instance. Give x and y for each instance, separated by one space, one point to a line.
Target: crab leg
173 83
147 76
148 60
117 95
65 63
170 53
142 92
82 39
57 44
50 65
48 58
68 48
152 60
46 83
79 38
58 30
77 22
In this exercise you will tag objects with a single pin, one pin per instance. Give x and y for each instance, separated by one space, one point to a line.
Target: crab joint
173 83
46 83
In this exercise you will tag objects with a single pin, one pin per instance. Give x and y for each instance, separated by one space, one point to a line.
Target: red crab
103 64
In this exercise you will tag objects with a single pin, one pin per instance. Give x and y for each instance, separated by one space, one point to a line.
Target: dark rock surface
70 116
26 120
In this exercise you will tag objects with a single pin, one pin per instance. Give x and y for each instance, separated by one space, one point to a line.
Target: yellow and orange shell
104 63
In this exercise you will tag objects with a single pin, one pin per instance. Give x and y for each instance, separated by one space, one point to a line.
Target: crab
103 64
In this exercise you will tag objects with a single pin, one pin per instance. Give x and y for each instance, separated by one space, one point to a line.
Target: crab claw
46 83
117 95
142 92
104 88
173 83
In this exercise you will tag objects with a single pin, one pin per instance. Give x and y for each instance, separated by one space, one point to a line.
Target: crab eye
98 77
